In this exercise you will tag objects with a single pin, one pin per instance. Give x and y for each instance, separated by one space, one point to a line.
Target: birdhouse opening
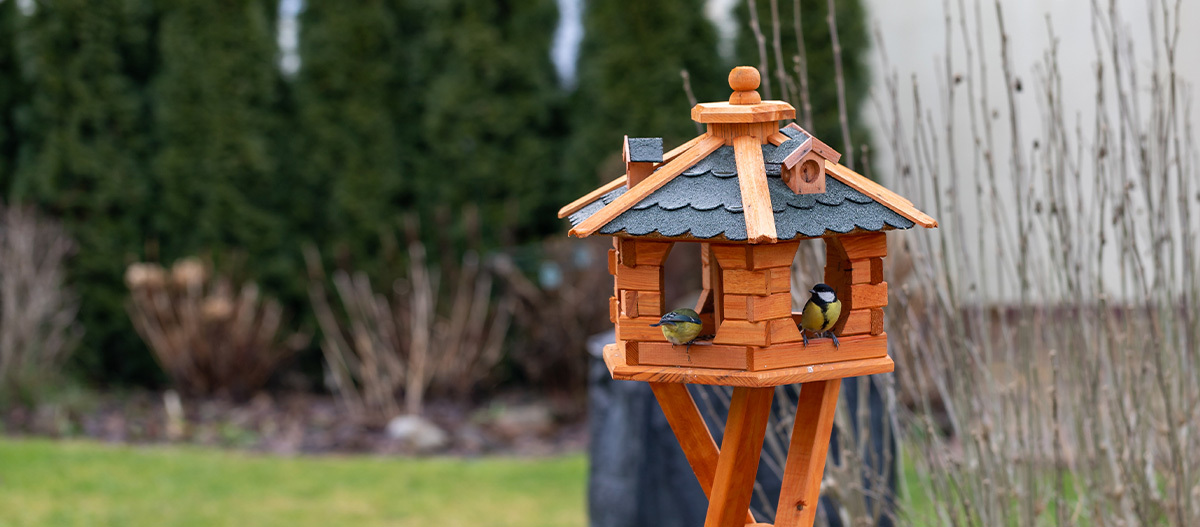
854 269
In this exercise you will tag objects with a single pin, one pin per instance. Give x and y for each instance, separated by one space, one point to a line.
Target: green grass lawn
81 483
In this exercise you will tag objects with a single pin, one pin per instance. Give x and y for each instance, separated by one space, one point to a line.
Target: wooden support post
737 465
806 454
693 435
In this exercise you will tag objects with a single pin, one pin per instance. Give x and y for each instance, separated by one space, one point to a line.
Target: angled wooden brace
693 435
737 465
806 454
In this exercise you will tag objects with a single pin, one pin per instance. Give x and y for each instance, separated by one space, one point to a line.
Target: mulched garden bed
305 423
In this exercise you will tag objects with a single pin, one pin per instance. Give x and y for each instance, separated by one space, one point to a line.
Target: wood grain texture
863 322
626 250
805 464
638 329
649 304
723 112
612 261
744 282
640 278
772 255
730 131
758 308
779 280
807 176
863 296
858 322
583 201
614 359
651 253
660 177
743 332
778 138
632 351
705 267
819 351
731 256
613 309
859 246
756 196
701 355
637 172
694 438
629 303
784 330
737 463
866 271
876 321
837 277
879 193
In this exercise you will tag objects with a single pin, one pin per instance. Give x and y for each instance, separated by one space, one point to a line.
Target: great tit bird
681 326
820 313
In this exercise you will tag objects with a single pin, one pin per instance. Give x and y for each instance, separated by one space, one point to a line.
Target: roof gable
705 202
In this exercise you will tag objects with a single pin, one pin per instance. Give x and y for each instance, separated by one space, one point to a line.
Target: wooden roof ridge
879 193
756 196
705 145
583 201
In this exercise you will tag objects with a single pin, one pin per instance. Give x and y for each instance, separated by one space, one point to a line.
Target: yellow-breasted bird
820 313
681 326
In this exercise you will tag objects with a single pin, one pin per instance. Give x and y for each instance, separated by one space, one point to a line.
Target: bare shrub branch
210 336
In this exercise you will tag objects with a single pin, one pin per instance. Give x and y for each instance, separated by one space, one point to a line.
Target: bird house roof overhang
704 202
739 182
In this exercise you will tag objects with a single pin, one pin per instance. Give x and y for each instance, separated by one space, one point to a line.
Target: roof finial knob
744 80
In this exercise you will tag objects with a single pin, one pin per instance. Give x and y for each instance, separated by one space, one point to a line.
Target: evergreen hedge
158 129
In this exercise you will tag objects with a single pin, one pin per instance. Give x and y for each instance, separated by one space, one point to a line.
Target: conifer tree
10 92
629 79
216 172
83 154
488 112
350 148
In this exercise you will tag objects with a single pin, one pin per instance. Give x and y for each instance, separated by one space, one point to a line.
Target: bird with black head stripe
820 313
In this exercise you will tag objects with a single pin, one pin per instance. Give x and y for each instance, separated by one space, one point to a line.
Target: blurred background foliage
157 130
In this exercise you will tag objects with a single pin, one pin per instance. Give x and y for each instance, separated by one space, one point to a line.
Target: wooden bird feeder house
747 191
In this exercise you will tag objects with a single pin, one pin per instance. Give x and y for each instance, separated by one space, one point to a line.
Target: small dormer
641 156
803 167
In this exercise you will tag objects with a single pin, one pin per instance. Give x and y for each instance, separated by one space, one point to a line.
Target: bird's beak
813 291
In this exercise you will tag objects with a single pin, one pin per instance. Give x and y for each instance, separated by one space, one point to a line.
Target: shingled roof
705 202
745 180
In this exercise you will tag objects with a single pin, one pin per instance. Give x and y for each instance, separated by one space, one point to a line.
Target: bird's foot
836 344
804 336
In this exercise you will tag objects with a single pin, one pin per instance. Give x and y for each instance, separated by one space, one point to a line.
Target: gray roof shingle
645 149
705 201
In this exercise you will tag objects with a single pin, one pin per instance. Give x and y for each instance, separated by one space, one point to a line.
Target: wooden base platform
614 358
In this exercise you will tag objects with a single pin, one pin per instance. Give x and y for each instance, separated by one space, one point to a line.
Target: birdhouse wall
637 172
637 302
756 293
854 269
